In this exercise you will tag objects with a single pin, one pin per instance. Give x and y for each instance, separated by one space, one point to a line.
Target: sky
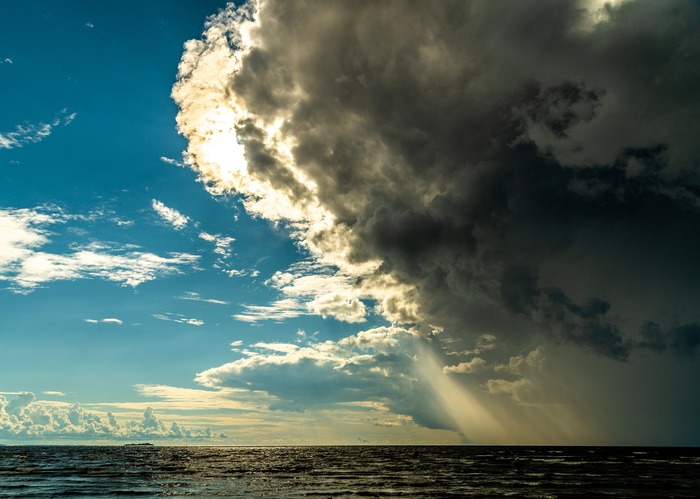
291 223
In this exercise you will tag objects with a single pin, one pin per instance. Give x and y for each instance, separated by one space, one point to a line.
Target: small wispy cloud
27 133
242 273
484 343
6 60
108 320
222 244
179 318
68 119
189 399
170 215
278 310
192 296
89 25
171 161
107 214
191 322
31 133
53 393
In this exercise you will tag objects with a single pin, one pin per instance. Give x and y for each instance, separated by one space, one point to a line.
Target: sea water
357 471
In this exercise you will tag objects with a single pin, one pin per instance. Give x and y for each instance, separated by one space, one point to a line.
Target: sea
353 471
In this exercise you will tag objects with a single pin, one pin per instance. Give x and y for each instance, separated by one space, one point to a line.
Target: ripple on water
348 471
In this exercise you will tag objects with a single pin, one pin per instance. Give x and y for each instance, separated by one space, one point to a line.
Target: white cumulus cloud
22 416
475 365
310 288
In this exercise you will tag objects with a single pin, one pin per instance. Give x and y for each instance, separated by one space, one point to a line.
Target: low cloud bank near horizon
23 417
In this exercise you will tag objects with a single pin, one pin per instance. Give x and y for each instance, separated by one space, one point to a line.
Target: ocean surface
371 471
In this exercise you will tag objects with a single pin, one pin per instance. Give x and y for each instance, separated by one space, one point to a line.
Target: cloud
173 217
240 273
222 243
191 322
371 365
523 364
7 60
23 417
25 134
66 117
682 339
177 398
310 288
386 369
171 161
454 163
179 318
53 393
519 389
109 320
501 178
247 419
25 231
524 379
192 296
31 133
278 310
475 365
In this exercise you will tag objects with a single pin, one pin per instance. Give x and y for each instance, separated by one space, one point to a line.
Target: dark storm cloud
472 146
682 339
560 317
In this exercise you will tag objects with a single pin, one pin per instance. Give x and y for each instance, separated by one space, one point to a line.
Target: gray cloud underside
520 168
378 365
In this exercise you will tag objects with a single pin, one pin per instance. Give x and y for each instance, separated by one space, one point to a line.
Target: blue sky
361 224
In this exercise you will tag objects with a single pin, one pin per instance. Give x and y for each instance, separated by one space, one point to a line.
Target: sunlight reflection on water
27 471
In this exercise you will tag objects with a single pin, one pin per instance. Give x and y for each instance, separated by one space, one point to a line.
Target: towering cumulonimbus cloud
486 167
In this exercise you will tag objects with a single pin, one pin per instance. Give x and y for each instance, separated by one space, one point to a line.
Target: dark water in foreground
53 471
